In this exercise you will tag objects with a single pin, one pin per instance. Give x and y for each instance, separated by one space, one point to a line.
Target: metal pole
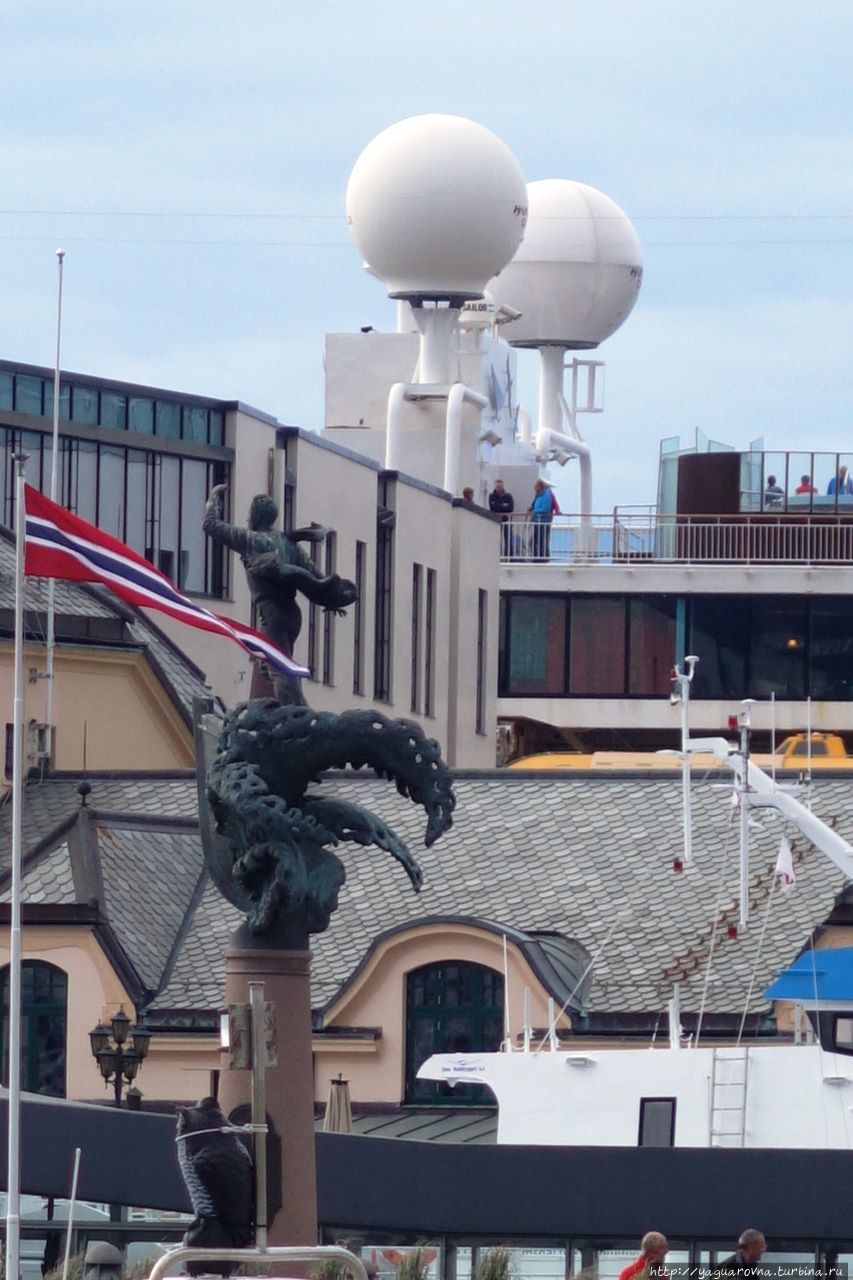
744 816
71 1206
259 1109
50 643
13 1173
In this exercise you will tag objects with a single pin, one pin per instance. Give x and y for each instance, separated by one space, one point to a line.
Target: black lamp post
117 1063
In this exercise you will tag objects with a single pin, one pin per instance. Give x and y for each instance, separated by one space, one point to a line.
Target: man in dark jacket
502 502
751 1246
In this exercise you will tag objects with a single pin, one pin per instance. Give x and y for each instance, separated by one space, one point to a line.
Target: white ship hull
792 1096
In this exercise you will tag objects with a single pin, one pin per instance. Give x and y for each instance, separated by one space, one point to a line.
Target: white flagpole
13 1175
54 474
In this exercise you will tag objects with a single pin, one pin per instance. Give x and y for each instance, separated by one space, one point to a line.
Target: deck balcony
818 533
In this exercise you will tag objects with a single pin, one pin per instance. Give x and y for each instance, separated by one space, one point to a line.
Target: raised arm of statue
230 535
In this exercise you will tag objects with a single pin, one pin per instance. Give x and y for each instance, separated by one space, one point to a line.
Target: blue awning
823 976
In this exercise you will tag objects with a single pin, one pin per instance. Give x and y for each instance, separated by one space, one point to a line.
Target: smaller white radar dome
577 275
437 205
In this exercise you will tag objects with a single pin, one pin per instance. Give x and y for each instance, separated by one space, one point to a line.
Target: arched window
452 1007
44 999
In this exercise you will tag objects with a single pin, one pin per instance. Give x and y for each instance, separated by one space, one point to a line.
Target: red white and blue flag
61 545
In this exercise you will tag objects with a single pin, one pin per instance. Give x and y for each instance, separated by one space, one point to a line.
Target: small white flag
785 866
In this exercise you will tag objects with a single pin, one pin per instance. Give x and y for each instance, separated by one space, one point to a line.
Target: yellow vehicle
827 752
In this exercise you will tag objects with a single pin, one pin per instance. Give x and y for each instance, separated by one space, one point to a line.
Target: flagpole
13 1173
54 474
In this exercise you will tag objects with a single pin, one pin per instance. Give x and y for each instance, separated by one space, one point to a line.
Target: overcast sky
192 159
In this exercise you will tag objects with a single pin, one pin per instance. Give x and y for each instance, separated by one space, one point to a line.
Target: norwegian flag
61 545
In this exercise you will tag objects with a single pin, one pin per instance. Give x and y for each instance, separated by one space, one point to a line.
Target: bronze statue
274 862
277 568
271 854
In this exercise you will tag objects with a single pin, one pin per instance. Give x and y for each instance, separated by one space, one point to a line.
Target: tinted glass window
140 414
719 635
651 645
597 660
113 409
194 543
84 405
217 426
111 491
831 648
778 649
167 419
536 645
28 394
7 390
64 400
195 423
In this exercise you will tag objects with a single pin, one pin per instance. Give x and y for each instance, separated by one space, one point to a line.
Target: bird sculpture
217 1170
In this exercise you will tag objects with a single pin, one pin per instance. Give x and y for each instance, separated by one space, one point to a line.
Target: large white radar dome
437 205
577 275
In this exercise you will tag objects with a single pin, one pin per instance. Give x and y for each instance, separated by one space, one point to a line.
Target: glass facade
602 646
152 501
106 407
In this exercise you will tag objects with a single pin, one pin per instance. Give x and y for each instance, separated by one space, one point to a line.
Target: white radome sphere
577 275
436 205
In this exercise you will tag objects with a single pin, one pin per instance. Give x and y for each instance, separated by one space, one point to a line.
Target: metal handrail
620 537
275 1253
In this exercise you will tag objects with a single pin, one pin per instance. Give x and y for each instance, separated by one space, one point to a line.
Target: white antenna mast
681 692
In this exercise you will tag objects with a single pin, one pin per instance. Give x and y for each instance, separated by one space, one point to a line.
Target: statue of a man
276 569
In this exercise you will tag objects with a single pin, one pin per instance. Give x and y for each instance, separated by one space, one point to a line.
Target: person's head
499 486
540 486
805 479
263 512
654 1247
771 479
468 493
752 1244
842 472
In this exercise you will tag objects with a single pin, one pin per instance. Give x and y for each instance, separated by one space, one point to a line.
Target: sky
192 157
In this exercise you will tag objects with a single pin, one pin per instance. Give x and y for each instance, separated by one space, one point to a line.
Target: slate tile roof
590 859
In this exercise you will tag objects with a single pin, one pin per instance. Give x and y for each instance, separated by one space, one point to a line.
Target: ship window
598 644
831 673
534 658
777 659
657 1122
44 992
651 645
452 1007
719 634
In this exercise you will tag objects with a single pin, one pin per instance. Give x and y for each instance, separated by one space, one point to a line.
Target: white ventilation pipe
393 425
459 393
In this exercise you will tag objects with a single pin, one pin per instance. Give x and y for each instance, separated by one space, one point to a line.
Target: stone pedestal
290 1085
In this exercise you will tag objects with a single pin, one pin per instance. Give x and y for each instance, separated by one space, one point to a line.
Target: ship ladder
729 1075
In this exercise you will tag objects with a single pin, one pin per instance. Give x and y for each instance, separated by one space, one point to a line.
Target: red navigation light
732 722
677 864
731 931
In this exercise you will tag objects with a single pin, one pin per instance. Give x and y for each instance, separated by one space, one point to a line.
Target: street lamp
115 1062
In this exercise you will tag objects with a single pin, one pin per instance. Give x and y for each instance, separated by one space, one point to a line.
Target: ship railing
640 534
